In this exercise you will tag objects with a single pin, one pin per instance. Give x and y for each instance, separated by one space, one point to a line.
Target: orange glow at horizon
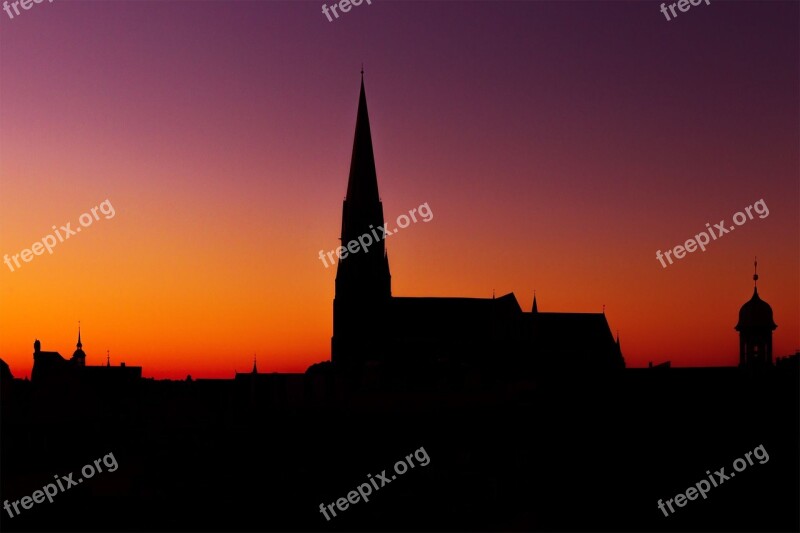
223 145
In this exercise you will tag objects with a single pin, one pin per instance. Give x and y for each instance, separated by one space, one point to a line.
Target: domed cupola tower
755 329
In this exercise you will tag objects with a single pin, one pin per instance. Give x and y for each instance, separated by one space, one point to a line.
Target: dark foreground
580 453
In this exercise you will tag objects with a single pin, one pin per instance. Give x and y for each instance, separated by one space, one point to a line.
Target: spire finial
108 357
755 273
79 335
255 370
362 71
604 308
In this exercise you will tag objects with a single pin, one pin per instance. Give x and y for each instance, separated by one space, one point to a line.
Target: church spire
755 275
535 307
255 370
79 356
363 279
362 185
366 273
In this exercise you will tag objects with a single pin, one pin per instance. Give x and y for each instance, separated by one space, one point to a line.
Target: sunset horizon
370 265
222 210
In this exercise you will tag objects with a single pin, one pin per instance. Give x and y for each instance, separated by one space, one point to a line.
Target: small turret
755 329
79 357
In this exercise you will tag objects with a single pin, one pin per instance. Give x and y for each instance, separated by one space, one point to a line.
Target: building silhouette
508 402
79 356
371 327
51 368
755 329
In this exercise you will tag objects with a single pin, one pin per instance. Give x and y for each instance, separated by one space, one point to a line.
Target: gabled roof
454 318
572 335
50 357
455 305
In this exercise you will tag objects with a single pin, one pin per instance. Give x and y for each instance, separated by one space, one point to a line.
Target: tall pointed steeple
79 356
363 279
362 185
535 306
364 273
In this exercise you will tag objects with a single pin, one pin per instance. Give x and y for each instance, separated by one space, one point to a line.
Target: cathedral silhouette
517 409
373 328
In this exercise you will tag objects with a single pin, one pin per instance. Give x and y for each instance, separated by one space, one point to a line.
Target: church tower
755 329
363 281
79 356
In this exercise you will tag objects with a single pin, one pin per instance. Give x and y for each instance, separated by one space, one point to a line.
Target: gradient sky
558 144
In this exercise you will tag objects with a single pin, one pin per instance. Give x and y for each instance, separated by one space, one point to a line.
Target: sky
558 144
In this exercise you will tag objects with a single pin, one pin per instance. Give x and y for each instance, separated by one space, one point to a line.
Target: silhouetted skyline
243 342
561 145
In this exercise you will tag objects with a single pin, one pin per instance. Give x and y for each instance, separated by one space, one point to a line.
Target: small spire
535 306
255 370
604 308
755 274
108 358
362 71
79 335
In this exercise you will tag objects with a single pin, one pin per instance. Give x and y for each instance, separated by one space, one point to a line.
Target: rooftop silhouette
516 409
